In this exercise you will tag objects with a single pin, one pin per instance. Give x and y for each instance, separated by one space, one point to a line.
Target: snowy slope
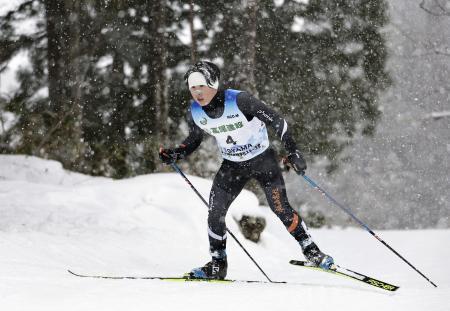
52 220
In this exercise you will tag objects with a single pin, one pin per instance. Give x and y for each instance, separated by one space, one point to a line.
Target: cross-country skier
238 122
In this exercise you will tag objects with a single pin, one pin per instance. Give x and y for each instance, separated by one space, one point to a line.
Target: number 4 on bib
230 140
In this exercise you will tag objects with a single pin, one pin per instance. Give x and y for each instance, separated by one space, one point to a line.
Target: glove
169 156
297 162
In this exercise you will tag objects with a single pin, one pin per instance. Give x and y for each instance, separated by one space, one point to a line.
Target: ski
172 279
337 270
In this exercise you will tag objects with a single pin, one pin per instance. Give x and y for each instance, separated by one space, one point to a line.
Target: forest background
363 84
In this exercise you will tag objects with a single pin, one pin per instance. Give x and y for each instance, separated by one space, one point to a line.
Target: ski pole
178 170
317 187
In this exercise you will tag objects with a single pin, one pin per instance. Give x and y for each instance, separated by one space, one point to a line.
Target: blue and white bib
238 139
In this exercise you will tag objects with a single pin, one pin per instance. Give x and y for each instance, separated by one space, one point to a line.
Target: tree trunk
193 37
63 139
249 46
74 78
55 15
157 105
161 92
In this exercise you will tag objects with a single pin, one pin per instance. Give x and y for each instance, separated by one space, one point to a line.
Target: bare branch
444 11
441 52
438 115
432 50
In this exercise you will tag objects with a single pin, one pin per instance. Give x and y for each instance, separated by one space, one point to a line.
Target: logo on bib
232 116
240 151
226 128
203 121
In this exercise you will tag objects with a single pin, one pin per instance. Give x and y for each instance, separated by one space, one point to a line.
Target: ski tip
73 273
337 270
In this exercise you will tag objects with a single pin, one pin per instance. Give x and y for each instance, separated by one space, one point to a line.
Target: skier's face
202 94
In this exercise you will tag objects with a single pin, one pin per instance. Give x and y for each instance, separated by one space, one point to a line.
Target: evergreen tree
324 76
105 86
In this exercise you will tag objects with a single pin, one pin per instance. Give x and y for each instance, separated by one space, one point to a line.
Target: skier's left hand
297 161
169 156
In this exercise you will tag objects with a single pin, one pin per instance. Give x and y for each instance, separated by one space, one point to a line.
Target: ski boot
215 269
317 258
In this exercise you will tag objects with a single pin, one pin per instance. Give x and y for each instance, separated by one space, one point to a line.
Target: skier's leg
228 183
271 179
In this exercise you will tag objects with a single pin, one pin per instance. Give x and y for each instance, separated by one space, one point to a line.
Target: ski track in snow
52 220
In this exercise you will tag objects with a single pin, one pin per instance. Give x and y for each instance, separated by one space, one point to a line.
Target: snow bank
52 220
39 171
40 195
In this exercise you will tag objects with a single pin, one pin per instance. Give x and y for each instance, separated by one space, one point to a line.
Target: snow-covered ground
52 220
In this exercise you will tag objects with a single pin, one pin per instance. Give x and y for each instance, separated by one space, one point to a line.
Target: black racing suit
232 176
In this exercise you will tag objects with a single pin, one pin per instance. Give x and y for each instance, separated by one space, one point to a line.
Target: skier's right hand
297 161
169 156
